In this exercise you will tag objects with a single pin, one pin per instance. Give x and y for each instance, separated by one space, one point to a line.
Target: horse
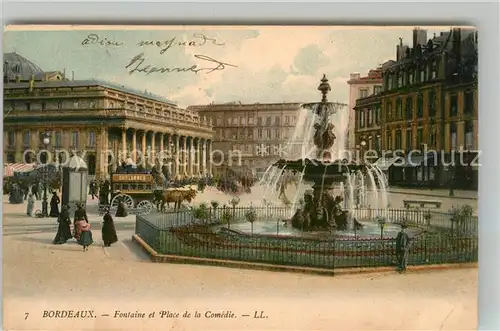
177 196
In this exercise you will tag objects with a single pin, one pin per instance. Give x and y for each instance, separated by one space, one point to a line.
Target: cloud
274 64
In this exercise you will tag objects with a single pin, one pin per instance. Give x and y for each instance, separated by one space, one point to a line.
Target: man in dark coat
108 229
34 190
54 205
121 210
63 230
402 243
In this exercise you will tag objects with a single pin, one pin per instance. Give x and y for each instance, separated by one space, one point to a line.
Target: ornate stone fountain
321 210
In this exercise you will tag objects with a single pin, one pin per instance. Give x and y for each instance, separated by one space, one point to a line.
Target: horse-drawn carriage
139 191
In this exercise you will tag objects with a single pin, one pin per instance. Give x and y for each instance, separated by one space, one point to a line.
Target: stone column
447 142
153 148
124 144
19 146
162 147
178 156
134 145
204 157
170 159
143 148
198 157
474 134
185 157
192 156
209 158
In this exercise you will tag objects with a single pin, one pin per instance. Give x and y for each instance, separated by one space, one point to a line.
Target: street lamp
363 144
46 142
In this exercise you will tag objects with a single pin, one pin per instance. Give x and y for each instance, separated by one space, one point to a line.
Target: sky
260 64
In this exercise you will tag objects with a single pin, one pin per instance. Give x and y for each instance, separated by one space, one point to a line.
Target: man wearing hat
402 243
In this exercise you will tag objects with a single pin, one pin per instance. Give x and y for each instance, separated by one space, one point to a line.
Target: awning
385 163
417 159
10 168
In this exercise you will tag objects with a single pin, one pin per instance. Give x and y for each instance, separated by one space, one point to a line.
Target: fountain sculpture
320 208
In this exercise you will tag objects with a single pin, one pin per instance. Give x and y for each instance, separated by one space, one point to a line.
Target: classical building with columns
104 122
250 137
429 101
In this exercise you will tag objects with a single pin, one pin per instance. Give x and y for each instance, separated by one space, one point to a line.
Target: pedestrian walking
54 205
31 205
402 245
63 230
108 229
83 235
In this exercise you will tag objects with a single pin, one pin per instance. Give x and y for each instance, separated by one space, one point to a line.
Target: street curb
432 195
163 258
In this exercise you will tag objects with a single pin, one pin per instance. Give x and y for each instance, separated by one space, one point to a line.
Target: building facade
428 103
361 87
104 122
250 137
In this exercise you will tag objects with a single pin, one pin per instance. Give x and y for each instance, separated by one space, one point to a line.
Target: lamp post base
45 206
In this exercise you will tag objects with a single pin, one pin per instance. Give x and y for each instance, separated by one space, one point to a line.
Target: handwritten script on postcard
139 64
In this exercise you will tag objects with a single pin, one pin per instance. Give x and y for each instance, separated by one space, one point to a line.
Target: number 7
26 317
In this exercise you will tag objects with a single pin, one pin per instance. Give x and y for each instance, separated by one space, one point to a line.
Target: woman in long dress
64 230
31 205
54 205
83 235
108 229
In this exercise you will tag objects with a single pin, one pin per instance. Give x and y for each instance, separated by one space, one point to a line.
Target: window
243 121
362 119
434 69
422 75
91 139
58 139
11 158
432 137
420 137
74 139
389 140
11 138
26 138
250 121
420 106
268 133
432 103
59 104
377 114
377 89
277 120
454 105
388 110
259 121
377 143
278 134
92 104
287 120
363 93
389 82
453 136
259 133
28 106
398 139
400 79
468 102
370 117
469 135
399 108
410 77
409 108
409 138
235 121
44 105
76 104
268 120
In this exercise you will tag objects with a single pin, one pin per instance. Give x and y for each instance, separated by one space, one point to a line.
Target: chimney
415 37
355 76
398 52
456 39
32 82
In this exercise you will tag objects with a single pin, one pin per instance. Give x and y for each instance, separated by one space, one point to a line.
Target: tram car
136 190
